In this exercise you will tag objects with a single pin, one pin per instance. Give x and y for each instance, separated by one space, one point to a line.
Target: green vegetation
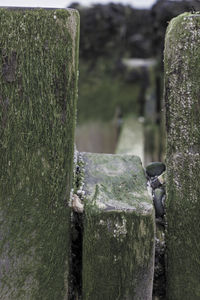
37 114
118 238
114 260
182 72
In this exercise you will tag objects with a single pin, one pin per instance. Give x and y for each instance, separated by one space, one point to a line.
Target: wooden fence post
38 90
182 100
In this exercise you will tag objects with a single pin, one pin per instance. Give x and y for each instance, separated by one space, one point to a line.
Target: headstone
182 100
118 238
38 90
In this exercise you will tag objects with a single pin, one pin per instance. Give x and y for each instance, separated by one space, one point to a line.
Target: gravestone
182 100
38 91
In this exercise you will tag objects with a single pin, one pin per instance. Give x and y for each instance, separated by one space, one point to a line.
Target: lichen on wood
38 91
182 100
118 237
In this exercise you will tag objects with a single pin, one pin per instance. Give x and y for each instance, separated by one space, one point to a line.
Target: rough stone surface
37 116
119 225
182 90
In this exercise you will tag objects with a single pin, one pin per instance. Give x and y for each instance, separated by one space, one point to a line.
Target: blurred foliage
109 33
162 12
104 90
113 30
117 30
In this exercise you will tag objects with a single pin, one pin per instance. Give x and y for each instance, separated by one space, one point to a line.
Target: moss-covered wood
182 100
118 239
38 91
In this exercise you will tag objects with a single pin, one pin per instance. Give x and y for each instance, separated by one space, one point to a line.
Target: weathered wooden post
119 230
182 99
38 89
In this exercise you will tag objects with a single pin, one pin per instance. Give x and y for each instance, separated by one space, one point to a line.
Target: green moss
182 72
37 114
119 177
114 263
118 239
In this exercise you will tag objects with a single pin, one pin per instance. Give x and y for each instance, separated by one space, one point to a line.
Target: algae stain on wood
118 239
38 91
182 72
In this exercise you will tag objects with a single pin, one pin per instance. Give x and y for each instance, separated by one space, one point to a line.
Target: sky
65 3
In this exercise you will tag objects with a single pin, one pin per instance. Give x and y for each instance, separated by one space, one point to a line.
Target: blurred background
120 106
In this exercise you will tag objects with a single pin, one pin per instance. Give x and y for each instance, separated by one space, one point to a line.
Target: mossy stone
119 227
38 91
182 90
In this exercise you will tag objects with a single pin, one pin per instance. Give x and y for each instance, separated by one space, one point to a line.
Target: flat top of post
116 183
193 15
184 16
